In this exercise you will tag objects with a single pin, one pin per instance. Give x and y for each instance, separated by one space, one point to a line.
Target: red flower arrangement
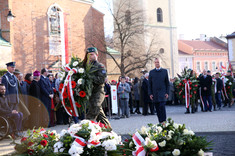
82 94
43 143
61 87
45 136
23 139
73 84
65 95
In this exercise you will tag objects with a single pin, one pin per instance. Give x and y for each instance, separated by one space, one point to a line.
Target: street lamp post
10 17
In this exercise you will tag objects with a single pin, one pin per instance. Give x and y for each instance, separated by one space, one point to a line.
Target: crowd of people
34 100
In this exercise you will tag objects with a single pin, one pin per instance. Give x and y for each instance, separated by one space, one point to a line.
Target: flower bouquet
36 142
187 86
165 139
75 86
227 88
87 138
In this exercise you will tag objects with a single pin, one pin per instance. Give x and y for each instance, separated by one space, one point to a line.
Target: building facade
199 55
49 32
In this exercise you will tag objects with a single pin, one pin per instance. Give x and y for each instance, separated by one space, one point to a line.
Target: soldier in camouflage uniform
95 111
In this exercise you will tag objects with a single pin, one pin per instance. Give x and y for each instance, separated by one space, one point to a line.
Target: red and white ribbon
187 93
139 142
82 142
68 84
225 92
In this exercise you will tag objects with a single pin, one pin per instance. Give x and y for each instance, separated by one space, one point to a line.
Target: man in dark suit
205 82
146 99
218 89
6 111
159 89
46 90
11 84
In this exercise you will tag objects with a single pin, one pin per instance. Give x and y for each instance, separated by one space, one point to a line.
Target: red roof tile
203 45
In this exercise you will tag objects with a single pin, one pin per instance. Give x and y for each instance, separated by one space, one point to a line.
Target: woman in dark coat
39 116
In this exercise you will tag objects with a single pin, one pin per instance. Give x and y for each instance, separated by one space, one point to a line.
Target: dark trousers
161 110
218 99
17 118
137 104
124 107
146 106
205 99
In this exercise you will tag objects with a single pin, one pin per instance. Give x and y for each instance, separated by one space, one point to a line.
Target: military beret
92 49
11 64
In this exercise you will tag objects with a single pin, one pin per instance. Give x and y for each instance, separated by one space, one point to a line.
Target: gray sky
193 17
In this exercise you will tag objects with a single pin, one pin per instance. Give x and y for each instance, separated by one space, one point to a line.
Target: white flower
176 126
176 152
170 132
75 63
201 152
168 137
143 130
159 129
79 81
58 145
62 150
81 70
63 132
109 145
163 143
230 83
61 75
188 132
75 150
56 150
149 143
74 128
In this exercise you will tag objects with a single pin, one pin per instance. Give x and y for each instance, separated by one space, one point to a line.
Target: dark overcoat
144 88
11 84
158 84
46 90
205 82
4 107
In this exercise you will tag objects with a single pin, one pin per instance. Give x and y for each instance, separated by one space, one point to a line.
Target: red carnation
61 87
73 84
194 92
82 93
51 134
190 96
30 143
126 140
228 87
45 136
65 95
101 124
23 139
195 85
190 88
30 151
190 83
78 105
43 143
180 84
183 96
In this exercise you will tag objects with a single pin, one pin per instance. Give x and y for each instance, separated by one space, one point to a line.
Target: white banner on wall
114 99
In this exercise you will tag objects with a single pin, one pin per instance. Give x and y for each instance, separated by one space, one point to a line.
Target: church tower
160 22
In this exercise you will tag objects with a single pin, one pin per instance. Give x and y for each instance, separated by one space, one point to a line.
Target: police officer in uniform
11 83
95 111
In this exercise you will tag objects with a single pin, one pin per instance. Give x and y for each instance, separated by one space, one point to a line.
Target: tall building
160 26
47 33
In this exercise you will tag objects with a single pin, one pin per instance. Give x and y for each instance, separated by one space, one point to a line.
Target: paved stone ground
218 126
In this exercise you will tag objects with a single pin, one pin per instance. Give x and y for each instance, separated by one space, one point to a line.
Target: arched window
54 20
159 15
128 17
161 51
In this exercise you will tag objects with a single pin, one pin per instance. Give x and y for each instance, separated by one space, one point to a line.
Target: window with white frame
213 66
198 67
206 65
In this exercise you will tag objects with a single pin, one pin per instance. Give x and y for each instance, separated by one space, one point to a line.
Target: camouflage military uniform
95 111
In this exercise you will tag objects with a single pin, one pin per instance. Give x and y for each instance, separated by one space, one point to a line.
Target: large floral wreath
187 85
76 86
